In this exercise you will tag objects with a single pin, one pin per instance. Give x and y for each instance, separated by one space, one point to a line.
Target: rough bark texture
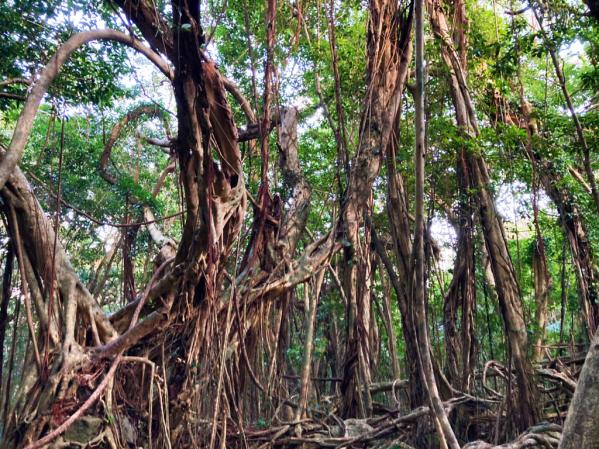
587 278
508 291
186 297
580 428
542 284
386 74
417 293
398 213
203 344
460 300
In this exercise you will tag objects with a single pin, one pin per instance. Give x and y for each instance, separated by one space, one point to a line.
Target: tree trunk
389 328
310 304
461 296
385 48
580 429
582 141
6 295
542 283
508 290
417 290
587 278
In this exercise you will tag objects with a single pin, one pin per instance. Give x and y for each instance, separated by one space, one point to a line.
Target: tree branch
25 123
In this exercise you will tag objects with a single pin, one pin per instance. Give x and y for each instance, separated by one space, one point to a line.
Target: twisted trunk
460 300
386 74
508 291
587 278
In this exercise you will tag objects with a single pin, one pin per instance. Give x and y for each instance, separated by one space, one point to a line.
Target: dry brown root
542 436
390 430
388 433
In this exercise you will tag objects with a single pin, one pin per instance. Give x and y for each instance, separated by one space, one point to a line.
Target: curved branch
10 81
233 89
25 123
12 96
131 116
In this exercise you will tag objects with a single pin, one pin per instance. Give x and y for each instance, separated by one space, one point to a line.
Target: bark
587 278
580 428
571 218
310 304
385 48
25 122
398 213
389 327
6 390
542 282
294 222
189 293
417 276
586 151
461 295
399 223
460 300
542 285
6 295
200 284
508 291
544 435
340 131
40 250
31 221
129 292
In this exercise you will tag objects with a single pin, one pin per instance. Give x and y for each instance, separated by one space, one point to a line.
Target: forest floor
485 414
